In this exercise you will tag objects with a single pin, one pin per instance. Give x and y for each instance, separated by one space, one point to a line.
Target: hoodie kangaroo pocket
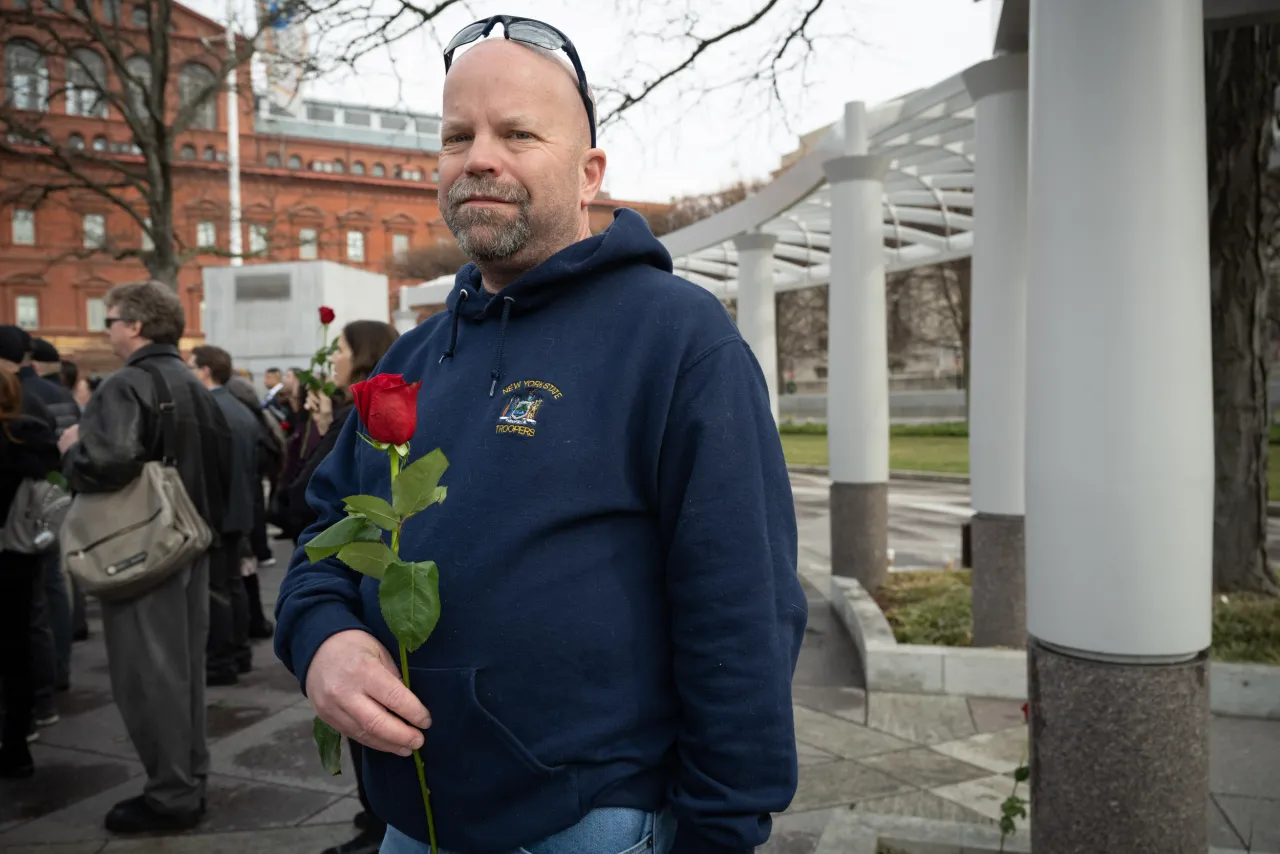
479 773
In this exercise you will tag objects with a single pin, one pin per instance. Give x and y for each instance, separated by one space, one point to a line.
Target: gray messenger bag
119 545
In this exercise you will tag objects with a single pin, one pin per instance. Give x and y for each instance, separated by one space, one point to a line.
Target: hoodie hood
627 242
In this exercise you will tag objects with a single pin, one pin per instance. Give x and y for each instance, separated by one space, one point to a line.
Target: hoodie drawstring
453 334
496 373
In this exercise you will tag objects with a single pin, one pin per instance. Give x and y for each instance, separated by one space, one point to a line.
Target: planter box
1244 690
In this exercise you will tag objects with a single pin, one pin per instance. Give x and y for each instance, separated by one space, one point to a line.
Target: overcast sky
671 145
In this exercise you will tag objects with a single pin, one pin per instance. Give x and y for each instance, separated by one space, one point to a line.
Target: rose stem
404 676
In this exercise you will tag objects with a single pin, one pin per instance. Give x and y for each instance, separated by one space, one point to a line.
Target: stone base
999 580
860 532
1119 755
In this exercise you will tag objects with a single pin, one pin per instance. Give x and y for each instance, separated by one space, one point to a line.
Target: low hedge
948 428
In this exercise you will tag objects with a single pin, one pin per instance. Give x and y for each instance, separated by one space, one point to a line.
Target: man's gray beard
488 235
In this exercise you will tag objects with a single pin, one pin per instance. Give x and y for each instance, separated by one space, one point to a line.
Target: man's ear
594 162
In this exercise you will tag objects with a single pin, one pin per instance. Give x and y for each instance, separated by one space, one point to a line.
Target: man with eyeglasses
620 610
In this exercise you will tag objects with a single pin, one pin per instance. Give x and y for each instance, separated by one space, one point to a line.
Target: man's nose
484 157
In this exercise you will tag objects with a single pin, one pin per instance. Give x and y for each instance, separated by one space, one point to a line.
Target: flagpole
233 144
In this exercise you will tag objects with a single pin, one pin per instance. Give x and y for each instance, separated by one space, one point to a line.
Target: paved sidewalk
941 757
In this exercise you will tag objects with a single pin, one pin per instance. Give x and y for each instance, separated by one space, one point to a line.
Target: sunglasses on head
530 32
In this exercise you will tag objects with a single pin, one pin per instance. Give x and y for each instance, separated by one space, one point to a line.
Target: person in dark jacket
28 449
361 346
229 652
39 378
156 641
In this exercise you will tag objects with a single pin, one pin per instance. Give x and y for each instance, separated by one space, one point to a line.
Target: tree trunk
1242 72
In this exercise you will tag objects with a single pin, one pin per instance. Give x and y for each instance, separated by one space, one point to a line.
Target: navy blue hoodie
621 614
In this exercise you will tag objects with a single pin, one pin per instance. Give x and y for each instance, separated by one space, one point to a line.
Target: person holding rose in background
361 345
619 609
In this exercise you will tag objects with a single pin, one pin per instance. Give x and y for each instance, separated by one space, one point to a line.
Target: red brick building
347 183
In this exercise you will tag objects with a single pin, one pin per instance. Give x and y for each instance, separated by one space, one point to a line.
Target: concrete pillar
757 310
998 351
404 318
858 362
1119 447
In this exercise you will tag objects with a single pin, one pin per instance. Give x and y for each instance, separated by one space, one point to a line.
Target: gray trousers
156 654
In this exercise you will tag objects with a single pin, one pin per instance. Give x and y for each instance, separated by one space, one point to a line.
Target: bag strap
168 421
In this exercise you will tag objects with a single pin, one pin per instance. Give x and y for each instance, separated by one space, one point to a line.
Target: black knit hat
43 351
14 343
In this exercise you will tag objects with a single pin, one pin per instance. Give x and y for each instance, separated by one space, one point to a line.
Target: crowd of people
244 460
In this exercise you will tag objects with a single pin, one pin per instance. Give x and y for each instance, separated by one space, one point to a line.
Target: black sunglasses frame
507 21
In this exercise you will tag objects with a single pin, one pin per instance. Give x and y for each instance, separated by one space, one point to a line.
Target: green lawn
912 453
948 454
933 607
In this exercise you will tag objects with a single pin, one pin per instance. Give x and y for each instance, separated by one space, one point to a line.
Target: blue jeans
608 830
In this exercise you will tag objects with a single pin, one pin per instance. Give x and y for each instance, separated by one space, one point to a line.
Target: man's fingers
378 728
384 688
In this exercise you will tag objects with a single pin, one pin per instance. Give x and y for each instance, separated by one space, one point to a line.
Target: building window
196 83
26 76
295 162
393 122
356 118
379 171
111 10
210 153
257 238
319 114
24 227
99 143
399 244
138 17
355 246
86 81
28 312
95 231
428 126
95 314
308 244
139 68
273 161
146 242
339 167
435 176
206 234
75 142
357 168
188 152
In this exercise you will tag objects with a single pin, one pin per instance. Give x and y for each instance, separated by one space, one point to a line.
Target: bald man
621 614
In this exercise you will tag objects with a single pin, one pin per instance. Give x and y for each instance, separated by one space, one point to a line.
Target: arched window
111 10
75 142
210 153
379 171
86 81
138 17
139 67
188 152
26 76
357 168
295 162
196 84
273 161
99 143
339 167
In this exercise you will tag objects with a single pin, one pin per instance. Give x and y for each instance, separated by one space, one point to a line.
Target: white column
997 376
757 311
1119 407
858 356
858 360
404 318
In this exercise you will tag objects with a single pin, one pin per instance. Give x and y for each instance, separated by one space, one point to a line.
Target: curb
1273 509
1241 690
922 476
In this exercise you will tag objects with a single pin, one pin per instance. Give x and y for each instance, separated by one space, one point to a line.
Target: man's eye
521 134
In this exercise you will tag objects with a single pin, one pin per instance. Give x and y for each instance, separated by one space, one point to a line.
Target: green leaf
56 478
415 489
1022 773
379 445
329 740
441 492
329 388
375 509
410 599
353 529
367 558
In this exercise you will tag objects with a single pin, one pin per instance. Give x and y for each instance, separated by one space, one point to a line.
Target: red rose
326 315
1026 712
388 406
